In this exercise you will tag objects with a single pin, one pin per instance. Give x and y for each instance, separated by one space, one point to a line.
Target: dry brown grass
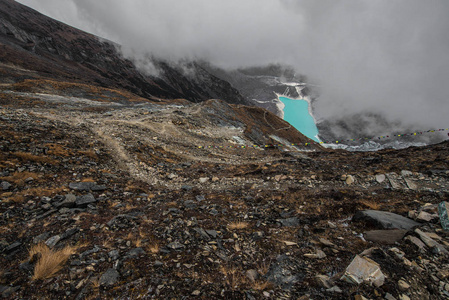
24 156
20 197
261 285
233 277
59 150
19 178
370 204
89 153
238 225
49 261
153 247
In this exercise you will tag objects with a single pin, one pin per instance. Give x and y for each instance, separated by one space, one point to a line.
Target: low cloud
381 56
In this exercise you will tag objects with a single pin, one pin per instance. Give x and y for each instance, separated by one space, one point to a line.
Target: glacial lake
296 112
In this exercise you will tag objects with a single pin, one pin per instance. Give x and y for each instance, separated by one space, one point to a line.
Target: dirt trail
115 128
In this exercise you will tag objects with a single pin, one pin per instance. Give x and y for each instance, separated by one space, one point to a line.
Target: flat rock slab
110 277
384 220
387 237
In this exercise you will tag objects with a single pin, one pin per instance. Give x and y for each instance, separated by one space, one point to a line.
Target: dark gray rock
187 187
5 185
385 236
51 242
202 233
114 254
41 237
135 253
87 186
158 264
68 233
109 278
98 188
200 198
84 201
282 272
95 249
121 221
175 246
10 291
290 222
14 246
69 201
384 220
82 186
212 233
190 204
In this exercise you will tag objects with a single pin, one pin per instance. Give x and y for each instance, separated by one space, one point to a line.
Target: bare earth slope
151 211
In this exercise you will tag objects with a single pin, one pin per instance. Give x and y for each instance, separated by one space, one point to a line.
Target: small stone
290 222
212 233
196 293
380 178
426 217
404 297
85 200
318 255
175 246
81 186
403 286
158 264
5 185
51 242
350 180
14 246
110 277
135 253
406 173
334 289
69 201
323 281
443 274
278 177
359 297
417 242
326 243
389 296
204 179
113 254
440 249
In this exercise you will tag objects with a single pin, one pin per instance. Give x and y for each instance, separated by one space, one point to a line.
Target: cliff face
35 46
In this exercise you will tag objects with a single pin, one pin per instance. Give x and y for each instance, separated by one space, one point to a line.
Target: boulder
385 236
384 220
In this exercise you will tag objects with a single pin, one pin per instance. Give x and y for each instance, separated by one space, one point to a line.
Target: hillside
161 201
35 47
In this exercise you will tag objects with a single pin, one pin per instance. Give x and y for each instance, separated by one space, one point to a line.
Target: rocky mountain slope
163 200
35 47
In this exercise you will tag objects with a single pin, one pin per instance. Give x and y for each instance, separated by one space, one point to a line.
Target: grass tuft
49 262
238 225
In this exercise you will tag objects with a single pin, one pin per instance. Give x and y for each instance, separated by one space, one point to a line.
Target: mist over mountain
386 57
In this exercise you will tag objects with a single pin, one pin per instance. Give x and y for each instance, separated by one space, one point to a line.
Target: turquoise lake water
296 112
